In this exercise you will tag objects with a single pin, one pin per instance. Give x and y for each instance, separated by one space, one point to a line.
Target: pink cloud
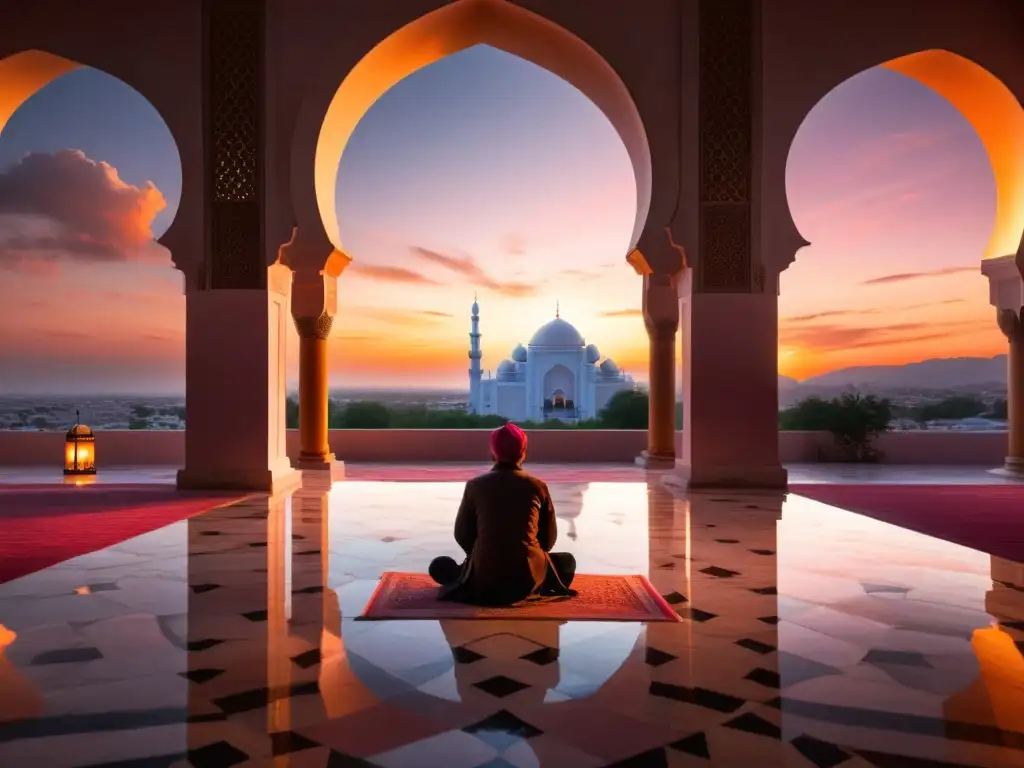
66 206
902 277
467 267
386 274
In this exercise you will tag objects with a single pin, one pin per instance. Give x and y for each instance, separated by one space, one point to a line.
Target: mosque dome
593 353
609 368
557 333
519 353
506 369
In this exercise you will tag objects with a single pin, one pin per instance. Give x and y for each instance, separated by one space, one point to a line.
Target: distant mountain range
938 373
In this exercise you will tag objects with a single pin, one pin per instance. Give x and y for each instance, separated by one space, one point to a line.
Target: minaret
475 372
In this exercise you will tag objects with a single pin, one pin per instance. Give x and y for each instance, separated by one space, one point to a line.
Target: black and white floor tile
812 637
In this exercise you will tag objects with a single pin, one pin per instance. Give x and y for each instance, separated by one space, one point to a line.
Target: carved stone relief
233 117
726 141
314 327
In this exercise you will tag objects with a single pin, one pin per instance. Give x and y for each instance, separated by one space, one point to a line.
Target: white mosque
556 376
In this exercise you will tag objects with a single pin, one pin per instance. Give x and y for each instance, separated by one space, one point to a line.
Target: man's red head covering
508 443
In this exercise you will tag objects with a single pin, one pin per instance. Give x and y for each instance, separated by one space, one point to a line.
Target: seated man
506 526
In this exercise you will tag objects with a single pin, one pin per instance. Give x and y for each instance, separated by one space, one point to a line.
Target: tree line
854 420
628 409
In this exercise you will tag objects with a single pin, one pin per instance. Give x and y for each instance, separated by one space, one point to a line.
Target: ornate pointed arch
456 27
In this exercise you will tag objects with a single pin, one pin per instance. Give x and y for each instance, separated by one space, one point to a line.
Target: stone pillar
313 333
730 393
314 304
730 313
1006 293
235 306
235 375
661 319
1012 324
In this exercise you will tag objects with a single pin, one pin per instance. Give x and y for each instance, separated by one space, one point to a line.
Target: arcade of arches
706 95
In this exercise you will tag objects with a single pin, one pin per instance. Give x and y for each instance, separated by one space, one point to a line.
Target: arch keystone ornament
1006 293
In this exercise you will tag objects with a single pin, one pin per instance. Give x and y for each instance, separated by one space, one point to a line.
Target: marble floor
925 474
812 637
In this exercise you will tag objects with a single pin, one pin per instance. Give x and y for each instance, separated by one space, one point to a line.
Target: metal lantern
79 450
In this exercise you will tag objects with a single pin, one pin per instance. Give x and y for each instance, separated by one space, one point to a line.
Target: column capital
1011 323
1005 281
661 305
309 250
657 253
314 327
314 295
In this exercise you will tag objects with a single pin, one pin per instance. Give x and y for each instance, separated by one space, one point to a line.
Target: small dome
609 368
593 353
557 333
519 353
79 431
506 369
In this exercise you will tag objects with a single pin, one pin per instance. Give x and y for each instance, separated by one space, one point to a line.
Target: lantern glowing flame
79 450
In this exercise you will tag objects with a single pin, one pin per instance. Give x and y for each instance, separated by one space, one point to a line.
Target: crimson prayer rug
599 598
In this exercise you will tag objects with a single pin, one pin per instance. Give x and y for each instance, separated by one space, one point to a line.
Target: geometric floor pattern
811 637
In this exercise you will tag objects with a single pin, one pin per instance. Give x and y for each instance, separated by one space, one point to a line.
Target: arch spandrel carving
234 84
725 262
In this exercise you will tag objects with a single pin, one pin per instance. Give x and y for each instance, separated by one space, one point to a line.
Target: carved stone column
314 304
729 315
1011 323
313 399
235 306
1006 293
660 261
661 319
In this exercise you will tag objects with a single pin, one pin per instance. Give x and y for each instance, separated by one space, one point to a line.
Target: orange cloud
870 311
622 313
64 205
388 274
904 276
466 266
829 338
398 316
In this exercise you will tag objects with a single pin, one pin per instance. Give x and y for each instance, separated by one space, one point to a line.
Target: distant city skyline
484 173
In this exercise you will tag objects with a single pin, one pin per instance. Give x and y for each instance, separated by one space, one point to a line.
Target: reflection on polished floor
814 637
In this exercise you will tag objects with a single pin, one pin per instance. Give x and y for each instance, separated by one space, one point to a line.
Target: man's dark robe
506 526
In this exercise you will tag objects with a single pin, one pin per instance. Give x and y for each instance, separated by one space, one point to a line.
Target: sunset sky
484 173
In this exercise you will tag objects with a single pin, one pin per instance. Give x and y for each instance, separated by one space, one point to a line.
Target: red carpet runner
42 525
989 518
